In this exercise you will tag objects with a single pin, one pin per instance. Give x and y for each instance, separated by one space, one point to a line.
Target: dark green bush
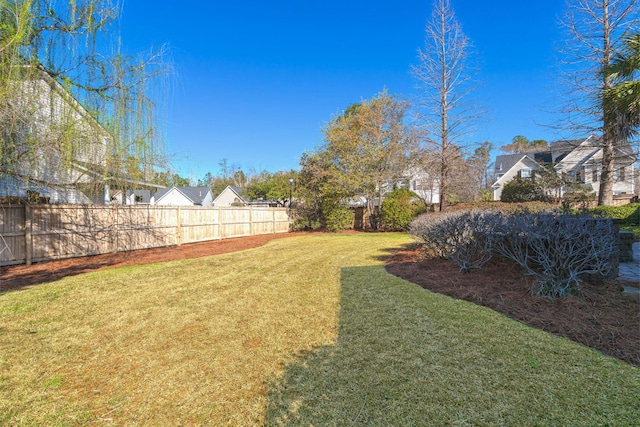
337 217
522 190
629 214
399 208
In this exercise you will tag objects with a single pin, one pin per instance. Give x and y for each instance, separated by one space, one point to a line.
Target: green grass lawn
307 330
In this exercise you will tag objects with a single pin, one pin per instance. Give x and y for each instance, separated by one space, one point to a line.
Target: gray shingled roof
195 194
507 161
240 192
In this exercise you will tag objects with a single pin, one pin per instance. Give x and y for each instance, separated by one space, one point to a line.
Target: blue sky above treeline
254 82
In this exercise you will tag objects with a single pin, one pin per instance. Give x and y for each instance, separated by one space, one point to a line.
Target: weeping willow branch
69 97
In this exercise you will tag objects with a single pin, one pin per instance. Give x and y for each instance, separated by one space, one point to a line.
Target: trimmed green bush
399 209
629 214
522 190
337 217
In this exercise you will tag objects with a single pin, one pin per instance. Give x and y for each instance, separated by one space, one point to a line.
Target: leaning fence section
30 233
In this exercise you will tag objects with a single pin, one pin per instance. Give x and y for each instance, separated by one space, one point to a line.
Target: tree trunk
605 194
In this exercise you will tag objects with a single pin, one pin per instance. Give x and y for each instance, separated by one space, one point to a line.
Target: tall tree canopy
365 147
522 144
276 187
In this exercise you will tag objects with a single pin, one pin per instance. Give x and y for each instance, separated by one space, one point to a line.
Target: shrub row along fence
30 233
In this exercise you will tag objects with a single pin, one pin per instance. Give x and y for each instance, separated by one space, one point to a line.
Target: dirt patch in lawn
17 276
599 316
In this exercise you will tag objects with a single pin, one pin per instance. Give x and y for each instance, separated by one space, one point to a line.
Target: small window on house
500 168
621 174
594 175
420 185
525 173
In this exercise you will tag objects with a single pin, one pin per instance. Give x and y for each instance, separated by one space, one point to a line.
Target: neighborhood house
43 114
576 161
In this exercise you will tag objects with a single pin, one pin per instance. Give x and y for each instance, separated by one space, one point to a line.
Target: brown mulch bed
599 316
17 276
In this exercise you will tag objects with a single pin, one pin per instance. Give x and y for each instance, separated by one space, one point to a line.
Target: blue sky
256 81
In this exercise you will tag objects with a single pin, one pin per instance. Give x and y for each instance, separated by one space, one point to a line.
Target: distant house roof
240 192
543 157
139 196
195 195
565 145
505 162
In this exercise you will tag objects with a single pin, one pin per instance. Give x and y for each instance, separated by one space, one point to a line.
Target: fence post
115 228
220 225
179 227
251 228
28 232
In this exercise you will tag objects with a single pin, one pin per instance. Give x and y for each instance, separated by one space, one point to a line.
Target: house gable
524 162
230 196
172 197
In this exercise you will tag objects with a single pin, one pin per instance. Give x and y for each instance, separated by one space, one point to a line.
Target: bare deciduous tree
596 30
445 78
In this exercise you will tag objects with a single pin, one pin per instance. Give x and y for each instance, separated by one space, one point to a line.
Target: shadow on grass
405 356
40 276
388 253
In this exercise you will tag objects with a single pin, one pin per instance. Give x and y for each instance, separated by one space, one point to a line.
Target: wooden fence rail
31 233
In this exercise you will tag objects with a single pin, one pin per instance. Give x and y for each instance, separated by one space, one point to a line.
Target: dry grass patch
192 342
303 331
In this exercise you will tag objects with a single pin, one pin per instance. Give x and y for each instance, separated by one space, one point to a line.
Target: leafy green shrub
522 190
328 213
577 195
337 217
306 223
629 214
399 208
486 195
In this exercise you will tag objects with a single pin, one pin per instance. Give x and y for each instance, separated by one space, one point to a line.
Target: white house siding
428 191
208 199
55 112
419 181
50 111
582 165
227 197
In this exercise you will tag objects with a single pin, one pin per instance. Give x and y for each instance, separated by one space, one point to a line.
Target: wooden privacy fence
30 233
